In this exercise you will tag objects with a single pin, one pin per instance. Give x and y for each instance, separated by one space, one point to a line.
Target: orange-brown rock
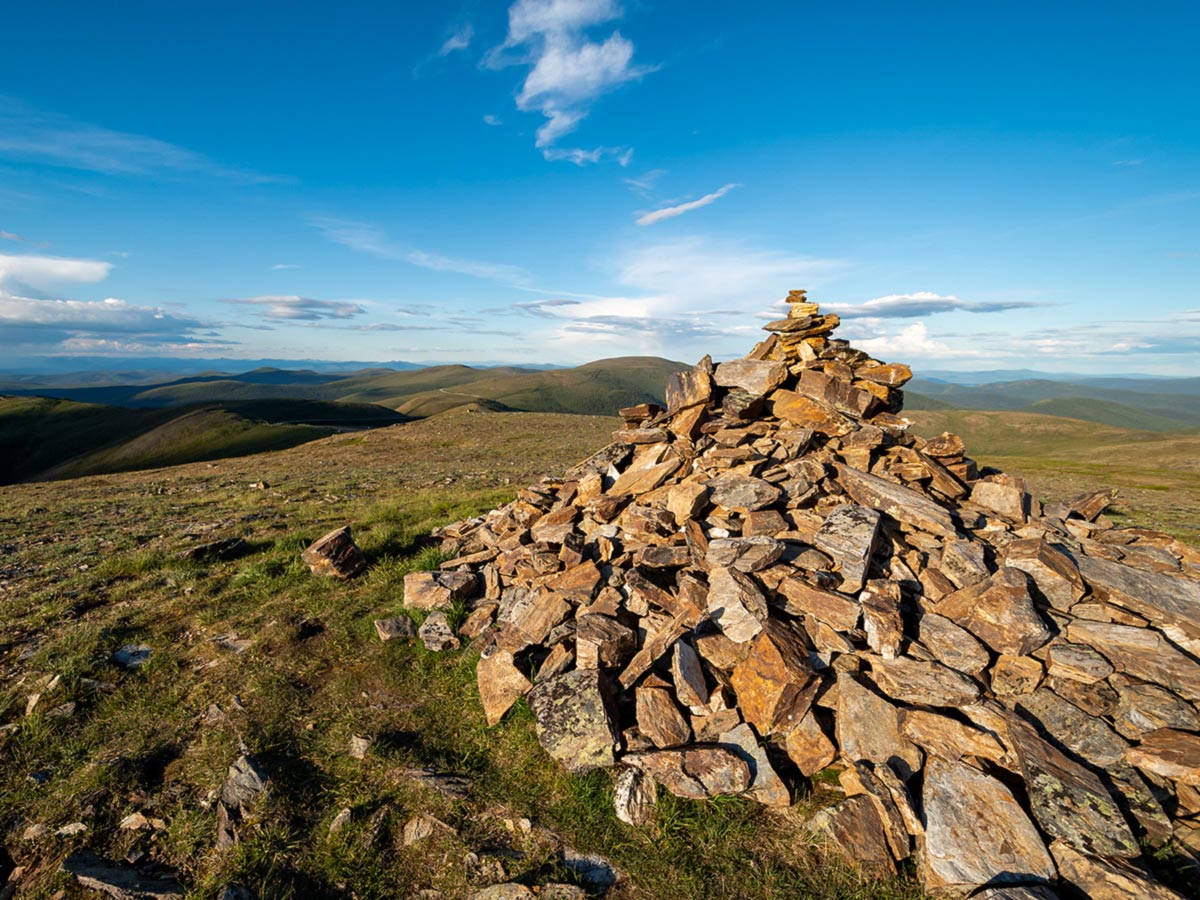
774 682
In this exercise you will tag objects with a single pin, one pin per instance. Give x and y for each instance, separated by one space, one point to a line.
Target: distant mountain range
1139 402
48 430
119 421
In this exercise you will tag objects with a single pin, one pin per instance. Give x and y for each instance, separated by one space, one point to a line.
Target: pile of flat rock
772 577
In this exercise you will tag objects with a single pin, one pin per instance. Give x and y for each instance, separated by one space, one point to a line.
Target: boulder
335 555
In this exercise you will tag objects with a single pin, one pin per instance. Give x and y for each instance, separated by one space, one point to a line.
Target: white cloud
460 40
670 212
367 238
279 267
27 134
489 119
39 273
568 71
920 303
911 341
294 308
643 184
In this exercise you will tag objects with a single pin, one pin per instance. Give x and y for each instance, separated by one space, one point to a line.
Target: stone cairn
772 577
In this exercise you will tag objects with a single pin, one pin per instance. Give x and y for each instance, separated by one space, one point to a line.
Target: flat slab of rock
659 719
1158 597
335 555
774 682
1068 800
736 604
501 684
850 534
1142 653
1055 574
574 723
765 785
998 611
1168 753
901 503
868 727
742 492
755 376
118 880
976 833
854 829
919 682
437 590
695 773
1104 880
395 628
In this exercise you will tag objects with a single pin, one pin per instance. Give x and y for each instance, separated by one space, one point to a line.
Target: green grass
314 676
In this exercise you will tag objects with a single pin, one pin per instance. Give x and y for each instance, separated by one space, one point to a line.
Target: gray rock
951 645
1069 801
765 785
634 797
746 554
976 833
695 773
1158 597
395 628
736 604
849 535
596 872
742 492
244 784
132 656
899 502
1087 737
918 682
574 723
436 634
118 880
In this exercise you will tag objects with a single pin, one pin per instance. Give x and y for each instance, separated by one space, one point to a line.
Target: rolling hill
44 438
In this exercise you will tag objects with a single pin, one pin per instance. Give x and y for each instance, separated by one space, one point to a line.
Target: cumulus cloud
919 304
459 40
30 135
910 341
110 325
293 308
367 238
670 212
568 70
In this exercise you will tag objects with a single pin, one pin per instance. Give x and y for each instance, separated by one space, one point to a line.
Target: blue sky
971 185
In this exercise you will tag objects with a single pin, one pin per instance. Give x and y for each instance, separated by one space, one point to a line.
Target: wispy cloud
919 304
568 70
1128 162
643 184
670 212
367 238
459 40
294 308
45 138
279 267
489 119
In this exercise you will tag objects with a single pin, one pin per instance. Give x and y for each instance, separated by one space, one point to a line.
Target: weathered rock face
573 720
335 554
773 563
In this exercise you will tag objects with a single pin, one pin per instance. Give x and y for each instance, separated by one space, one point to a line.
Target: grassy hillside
1176 402
310 675
44 439
1157 474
